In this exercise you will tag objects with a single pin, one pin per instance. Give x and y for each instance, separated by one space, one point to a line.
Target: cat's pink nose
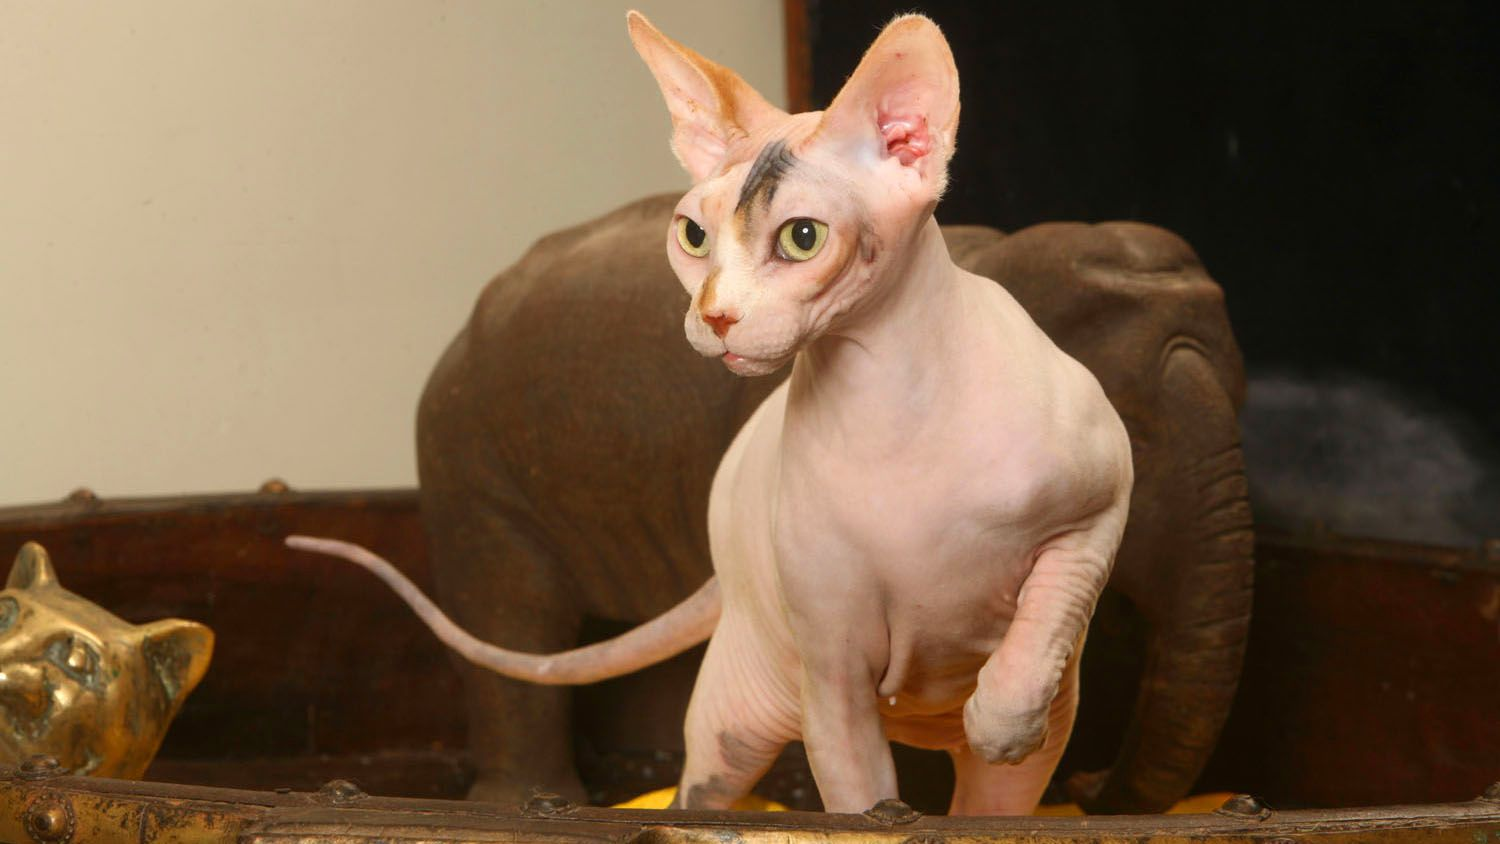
720 323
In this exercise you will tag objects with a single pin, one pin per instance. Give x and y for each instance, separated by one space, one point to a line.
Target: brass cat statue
81 685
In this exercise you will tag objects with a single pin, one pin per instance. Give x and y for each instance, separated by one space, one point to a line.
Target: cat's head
794 220
82 685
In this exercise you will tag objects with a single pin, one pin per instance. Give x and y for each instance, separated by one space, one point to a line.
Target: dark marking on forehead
773 163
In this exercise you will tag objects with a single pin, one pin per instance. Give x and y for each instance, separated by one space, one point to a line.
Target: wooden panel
312 656
1373 676
798 56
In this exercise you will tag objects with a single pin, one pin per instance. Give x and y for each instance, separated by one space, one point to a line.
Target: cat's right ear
901 103
711 106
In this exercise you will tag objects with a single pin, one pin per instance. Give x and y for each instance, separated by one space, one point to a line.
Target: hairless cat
910 534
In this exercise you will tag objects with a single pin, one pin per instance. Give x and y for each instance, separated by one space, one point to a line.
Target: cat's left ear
178 652
711 106
901 102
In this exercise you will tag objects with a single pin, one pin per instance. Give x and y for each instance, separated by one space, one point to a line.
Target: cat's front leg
1006 719
846 744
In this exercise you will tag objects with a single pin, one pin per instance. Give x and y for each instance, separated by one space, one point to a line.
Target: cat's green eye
691 237
801 239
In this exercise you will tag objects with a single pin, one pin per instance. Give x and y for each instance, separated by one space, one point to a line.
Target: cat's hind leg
743 712
982 788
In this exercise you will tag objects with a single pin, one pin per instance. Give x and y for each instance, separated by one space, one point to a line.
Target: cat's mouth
741 365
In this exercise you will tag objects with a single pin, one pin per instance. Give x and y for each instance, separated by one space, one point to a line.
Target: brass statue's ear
32 569
178 652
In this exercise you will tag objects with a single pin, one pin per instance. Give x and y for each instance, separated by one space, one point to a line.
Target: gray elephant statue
568 436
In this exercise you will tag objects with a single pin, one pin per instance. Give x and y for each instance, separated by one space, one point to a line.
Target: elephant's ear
32 569
177 652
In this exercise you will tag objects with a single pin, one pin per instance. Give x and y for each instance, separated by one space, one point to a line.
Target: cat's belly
937 731
934 666
937 679
936 651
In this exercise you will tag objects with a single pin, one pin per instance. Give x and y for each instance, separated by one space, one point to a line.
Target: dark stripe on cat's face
770 167
706 295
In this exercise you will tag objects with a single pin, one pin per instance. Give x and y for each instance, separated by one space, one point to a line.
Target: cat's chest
984 470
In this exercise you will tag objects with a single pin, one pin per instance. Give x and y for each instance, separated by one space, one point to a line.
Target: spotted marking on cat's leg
741 715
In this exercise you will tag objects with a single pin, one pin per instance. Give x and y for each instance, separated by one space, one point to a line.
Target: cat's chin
749 367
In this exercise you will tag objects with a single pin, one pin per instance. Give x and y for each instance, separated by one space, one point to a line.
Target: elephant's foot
1083 787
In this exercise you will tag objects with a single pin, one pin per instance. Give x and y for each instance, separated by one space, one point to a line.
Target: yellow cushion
662 798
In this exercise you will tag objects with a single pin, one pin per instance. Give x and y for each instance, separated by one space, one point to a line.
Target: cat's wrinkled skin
85 687
910 534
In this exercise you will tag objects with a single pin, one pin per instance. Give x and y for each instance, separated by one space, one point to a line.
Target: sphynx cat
910 534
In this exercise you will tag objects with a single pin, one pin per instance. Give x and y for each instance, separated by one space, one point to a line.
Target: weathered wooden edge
43 807
86 506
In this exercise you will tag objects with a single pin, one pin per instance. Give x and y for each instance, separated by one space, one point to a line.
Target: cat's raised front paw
1002 734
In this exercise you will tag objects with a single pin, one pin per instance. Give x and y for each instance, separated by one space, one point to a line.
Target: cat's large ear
178 652
902 101
711 106
32 569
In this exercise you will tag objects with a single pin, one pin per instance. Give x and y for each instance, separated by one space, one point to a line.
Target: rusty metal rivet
1245 806
340 791
890 812
1492 793
49 819
83 495
39 767
275 486
547 805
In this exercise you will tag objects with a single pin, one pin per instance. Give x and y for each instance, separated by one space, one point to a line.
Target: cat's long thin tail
667 635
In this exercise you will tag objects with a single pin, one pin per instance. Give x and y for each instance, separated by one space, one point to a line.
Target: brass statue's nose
23 691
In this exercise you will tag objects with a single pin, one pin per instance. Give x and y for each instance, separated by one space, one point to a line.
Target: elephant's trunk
1200 619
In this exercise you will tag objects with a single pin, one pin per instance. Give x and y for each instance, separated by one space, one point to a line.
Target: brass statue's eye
75 656
79 658
800 239
9 610
691 237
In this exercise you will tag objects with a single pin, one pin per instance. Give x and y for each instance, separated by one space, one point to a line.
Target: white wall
235 236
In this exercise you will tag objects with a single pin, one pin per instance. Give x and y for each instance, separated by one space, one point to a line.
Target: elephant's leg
982 788
743 712
501 586
521 734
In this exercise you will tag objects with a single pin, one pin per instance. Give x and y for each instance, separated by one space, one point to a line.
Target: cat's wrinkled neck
897 354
